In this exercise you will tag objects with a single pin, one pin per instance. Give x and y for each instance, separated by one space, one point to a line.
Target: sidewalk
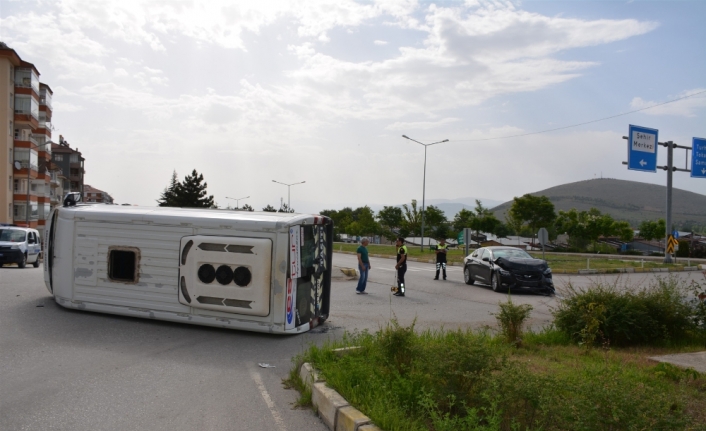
697 360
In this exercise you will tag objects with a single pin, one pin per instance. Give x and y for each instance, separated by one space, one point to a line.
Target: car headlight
14 246
547 271
504 272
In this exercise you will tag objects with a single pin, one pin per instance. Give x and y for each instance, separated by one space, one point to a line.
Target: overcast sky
253 91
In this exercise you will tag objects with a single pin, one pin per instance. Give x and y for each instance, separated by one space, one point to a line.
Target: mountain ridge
631 201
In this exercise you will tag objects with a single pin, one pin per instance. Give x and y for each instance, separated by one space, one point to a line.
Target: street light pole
424 180
237 201
289 186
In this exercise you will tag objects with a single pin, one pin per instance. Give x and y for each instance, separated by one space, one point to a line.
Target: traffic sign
675 233
642 149
698 158
543 236
459 238
671 244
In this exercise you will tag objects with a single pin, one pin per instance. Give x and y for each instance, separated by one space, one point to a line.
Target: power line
578 124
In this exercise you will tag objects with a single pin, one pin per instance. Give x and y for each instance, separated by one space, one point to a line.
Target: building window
73 158
9 210
123 264
58 157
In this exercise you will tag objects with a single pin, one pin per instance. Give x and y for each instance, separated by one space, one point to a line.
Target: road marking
268 400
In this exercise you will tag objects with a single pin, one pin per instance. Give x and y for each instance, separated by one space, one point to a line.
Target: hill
624 200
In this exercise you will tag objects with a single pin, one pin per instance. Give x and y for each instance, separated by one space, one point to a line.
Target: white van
256 271
19 245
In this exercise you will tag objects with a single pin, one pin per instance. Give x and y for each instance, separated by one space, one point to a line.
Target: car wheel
495 282
467 275
36 262
23 262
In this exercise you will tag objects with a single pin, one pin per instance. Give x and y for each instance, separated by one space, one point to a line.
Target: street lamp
289 186
237 200
424 182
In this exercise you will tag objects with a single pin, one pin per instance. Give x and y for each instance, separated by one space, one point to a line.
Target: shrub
511 318
659 314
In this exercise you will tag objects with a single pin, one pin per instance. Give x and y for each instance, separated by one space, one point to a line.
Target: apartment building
92 194
29 181
71 163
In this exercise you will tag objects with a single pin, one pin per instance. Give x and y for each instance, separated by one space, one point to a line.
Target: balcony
33 166
45 98
27 78
26 138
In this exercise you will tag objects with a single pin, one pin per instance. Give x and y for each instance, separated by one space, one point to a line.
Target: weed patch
469 381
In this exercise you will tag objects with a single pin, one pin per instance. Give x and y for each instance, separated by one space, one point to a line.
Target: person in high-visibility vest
401 265
441 250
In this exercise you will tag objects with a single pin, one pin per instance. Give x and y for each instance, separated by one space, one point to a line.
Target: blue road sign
642 149
675 234
698 158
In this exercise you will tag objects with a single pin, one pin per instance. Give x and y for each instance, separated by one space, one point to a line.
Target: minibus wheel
23 262
36 262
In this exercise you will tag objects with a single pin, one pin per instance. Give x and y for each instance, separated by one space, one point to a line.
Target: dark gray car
508 268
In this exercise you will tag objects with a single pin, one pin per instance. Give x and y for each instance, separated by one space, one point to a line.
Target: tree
434 218
650 230
412 223
270 209
462 219
191 193
285 209
534 211
247 207
169 197
484 220
364 224
390 220
584 226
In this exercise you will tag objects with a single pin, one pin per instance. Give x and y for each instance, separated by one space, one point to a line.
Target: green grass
464 380
559 264
588 370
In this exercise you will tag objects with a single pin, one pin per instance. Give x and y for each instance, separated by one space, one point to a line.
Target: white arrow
643 163
703 171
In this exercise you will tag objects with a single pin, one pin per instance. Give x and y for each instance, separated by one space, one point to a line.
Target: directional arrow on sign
703 171
643 163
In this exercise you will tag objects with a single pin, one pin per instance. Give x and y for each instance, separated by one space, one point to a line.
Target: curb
578 272
332 408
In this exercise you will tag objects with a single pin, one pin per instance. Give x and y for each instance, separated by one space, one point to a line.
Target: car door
477 269
32 247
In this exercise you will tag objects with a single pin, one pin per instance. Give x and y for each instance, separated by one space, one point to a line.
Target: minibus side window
123 264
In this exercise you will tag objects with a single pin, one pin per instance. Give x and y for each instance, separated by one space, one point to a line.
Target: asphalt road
451 303
63 369
72 370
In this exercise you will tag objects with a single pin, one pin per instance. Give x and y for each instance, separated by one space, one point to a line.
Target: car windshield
508 253
12 235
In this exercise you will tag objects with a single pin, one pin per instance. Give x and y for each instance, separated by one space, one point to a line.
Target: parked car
19 245
508 268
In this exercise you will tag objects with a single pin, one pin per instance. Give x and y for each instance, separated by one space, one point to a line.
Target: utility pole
670 163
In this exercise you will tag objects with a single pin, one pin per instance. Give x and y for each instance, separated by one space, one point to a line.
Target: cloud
421 125
682 108
380 42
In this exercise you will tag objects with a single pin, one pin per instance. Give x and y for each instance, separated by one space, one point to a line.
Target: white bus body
254 271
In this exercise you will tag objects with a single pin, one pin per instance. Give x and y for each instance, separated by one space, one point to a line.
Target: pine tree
270 209
191 193
169 197
247 207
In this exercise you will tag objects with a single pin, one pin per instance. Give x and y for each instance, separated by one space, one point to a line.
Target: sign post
467 238
642 149
698 158
543 237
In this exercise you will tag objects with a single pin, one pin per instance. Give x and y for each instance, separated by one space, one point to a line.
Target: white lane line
268 400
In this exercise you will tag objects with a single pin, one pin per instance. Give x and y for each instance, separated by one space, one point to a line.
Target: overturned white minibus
254 271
